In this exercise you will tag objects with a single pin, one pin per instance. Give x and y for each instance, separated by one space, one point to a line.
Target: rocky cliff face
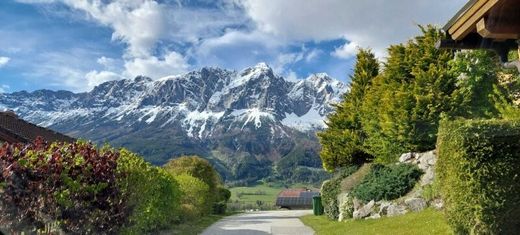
241 121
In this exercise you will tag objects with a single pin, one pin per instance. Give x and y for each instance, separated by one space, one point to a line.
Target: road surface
261 223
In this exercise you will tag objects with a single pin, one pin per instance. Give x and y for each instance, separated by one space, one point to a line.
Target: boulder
426 160
437 204
406 157
383 208
374 216
364 211
428 177
395 209
415 204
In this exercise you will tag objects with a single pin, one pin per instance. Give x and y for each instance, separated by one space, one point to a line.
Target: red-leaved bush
72 184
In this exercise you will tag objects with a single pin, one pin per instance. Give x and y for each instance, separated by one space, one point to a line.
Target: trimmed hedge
387 182
478 172
152 195
80 189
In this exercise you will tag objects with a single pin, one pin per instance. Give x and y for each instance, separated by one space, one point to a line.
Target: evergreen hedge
478 173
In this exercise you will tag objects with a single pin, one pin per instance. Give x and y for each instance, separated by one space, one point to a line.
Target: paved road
262 223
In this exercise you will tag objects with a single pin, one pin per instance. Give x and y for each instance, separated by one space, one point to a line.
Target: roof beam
502 31
467 22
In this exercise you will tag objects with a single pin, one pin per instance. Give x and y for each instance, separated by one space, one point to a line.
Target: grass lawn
427 222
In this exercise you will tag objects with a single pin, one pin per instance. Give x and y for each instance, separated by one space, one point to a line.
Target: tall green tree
342 141
402 109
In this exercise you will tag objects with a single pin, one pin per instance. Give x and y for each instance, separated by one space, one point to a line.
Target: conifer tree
403 107
342 141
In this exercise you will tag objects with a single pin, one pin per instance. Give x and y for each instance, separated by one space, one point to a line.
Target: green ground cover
427 222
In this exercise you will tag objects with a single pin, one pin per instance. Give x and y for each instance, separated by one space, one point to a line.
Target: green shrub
478 173
222 198
152 194
197 167
196 193
331 189
387 182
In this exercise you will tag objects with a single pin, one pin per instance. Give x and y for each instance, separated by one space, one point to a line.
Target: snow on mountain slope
222 113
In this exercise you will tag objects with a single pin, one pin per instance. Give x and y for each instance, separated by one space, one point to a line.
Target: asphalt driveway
262 223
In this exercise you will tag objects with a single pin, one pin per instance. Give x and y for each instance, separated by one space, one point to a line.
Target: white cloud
370 23
4 60
138 23
95 78
109 63
346 51
4 88
173 63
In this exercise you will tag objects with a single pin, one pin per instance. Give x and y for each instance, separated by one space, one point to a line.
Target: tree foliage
342 141
195 194
398 109
196 167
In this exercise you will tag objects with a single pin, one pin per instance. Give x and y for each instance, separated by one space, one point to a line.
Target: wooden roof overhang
487 24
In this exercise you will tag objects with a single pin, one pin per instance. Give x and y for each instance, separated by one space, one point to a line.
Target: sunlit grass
427 222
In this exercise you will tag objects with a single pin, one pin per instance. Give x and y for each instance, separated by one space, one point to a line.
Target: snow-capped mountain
251 117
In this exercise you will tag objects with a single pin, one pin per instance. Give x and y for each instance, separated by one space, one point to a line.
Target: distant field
268 194
259 192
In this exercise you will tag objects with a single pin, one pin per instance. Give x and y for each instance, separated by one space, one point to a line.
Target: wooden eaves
487 24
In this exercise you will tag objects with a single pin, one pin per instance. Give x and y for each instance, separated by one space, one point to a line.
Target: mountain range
250 124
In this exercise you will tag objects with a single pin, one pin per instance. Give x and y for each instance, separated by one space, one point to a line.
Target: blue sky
77 44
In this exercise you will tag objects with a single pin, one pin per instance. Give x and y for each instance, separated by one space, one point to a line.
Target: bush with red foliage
72 184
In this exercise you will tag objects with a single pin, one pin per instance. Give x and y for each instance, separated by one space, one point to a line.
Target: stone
428 177
406 157
374 216
437 204
383 209
426 160
364 211
395 209
415 204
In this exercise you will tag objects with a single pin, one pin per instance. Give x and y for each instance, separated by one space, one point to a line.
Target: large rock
415 204
395 209
364 211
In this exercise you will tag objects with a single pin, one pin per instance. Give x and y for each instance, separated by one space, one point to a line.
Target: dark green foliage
478 176
152 195
387 182
223 196
330 190
342 141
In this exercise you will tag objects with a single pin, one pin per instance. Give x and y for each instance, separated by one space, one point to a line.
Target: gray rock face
415 204
425 161
364 211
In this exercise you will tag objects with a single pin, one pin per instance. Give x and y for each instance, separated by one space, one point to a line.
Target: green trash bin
317 207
